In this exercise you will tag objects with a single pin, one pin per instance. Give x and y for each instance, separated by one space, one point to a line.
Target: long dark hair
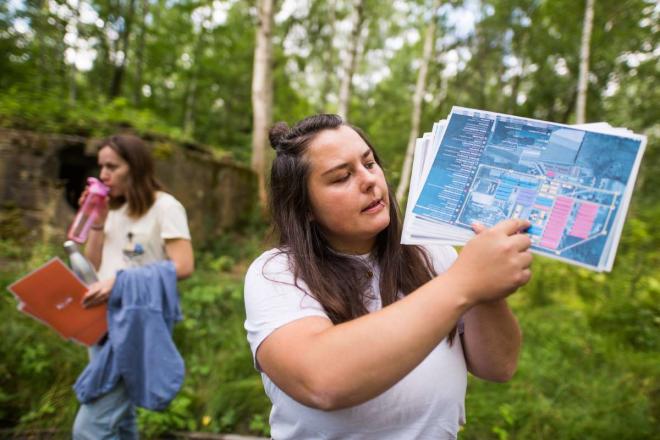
142 185
339 282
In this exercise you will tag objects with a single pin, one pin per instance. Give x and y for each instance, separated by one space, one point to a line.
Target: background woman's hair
339 282
142 184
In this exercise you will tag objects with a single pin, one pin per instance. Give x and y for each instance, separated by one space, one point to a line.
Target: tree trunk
191 86
583 78
329 56
262 94
73 72
120 69
351 60
139 55
420 90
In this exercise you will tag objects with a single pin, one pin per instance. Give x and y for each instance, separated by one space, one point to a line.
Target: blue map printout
569 183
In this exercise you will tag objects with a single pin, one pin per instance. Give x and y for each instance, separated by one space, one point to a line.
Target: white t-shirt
131 242
428 403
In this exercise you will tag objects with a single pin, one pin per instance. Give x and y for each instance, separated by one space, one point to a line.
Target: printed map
568 182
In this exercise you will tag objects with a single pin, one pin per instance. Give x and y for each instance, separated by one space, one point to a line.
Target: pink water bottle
89 211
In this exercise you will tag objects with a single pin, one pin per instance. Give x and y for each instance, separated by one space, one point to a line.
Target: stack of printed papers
572 182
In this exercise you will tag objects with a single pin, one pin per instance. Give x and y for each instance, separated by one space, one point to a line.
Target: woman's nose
368 180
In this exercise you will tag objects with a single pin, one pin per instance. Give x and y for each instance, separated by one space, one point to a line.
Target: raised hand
496 262
103 210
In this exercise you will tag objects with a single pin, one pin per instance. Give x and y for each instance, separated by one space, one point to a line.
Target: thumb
478 228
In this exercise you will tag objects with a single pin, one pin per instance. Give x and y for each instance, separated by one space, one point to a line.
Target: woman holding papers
356 335
140 226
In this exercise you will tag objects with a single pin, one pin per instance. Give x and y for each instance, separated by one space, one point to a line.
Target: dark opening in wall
75 168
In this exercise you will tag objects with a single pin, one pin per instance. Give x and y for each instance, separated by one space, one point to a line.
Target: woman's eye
370 165
343 178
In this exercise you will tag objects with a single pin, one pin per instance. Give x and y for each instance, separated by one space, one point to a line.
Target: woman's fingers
512 226
98 292
478 228
521 242
82 197
526 259
90 298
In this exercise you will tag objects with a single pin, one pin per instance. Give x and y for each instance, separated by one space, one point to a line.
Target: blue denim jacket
142 310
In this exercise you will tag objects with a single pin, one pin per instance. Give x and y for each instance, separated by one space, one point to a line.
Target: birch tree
420 90
351 59
262 93
329 54
140 54
583 78
120 66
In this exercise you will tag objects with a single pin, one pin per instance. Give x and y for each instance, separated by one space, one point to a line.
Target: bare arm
180 251
94 245
492 337
330 366
491 341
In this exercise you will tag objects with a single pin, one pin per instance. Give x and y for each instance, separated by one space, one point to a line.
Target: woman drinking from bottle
139 227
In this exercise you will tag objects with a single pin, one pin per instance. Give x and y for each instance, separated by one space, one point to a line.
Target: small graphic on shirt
133 250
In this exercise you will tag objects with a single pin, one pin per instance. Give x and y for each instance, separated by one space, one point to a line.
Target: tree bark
262 94
191 86
119 70
329 56
420 90
583 78
351 60
73 72
139 55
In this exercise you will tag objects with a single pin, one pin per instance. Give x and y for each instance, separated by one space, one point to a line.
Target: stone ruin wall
42 176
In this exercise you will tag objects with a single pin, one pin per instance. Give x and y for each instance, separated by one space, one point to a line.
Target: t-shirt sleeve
442 256
173 219
273 300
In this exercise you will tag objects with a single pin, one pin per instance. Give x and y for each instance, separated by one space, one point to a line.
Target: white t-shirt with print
428 403
131 242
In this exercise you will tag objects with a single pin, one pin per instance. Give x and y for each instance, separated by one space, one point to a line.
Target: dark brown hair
339 282
142 185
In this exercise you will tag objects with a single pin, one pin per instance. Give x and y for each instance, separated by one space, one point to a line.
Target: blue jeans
110 417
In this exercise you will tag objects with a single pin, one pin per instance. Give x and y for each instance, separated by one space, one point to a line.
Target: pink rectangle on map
584 220
557 222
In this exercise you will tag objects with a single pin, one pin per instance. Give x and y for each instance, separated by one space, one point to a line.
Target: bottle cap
70 246
97 187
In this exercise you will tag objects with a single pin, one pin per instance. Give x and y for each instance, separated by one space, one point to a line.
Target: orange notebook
53 294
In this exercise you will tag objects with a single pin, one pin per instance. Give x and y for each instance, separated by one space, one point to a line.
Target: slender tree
262 93
350 62
420 90
120 67
583 79
140 54
329 54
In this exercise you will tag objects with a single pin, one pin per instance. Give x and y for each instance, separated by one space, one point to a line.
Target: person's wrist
97 227
466 293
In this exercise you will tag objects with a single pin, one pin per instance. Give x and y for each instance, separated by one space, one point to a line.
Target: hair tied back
278 134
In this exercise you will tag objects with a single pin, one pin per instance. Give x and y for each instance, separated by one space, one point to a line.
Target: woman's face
114 171
347 190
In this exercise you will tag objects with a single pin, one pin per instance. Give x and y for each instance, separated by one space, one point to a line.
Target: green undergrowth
589 367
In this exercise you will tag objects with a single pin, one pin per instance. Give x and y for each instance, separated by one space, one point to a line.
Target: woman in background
356 335
140 225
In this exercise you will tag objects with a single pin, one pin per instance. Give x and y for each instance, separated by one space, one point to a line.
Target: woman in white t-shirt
140 225
357 336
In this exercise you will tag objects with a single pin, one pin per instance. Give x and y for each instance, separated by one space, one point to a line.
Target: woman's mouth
374 206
